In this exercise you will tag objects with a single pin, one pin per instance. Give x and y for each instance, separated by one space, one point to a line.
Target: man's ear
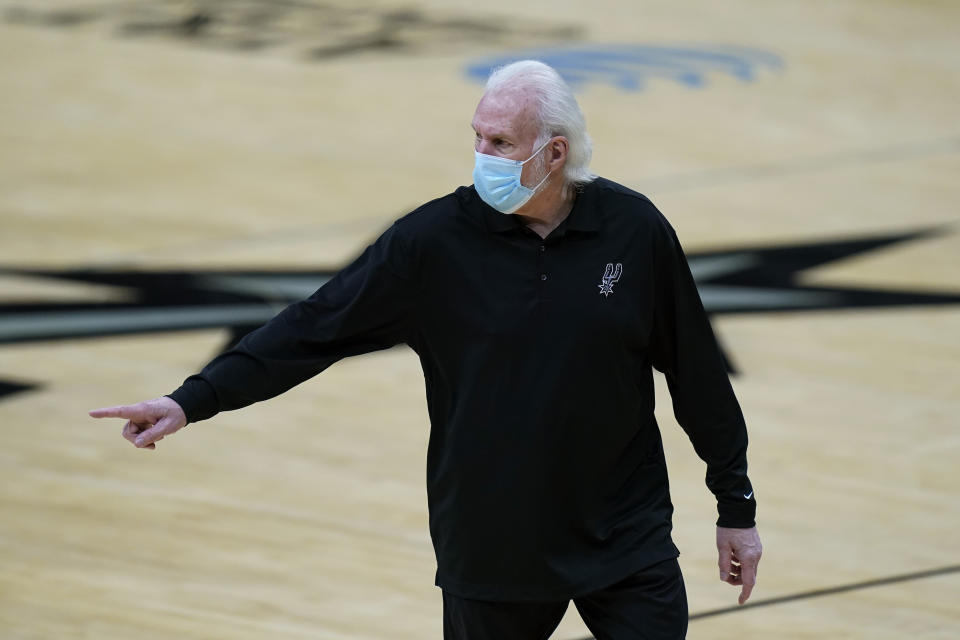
558 151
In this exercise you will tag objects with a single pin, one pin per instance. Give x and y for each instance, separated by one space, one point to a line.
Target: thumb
164 427
150 436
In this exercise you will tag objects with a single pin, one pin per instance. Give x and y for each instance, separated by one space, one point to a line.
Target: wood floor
193 137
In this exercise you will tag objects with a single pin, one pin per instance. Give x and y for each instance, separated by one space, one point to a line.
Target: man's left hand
740 551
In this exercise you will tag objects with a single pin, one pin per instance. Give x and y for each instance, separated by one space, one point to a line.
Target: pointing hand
147 422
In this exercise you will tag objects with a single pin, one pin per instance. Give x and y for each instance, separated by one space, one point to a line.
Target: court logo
316 31
631 67
737 280
611 275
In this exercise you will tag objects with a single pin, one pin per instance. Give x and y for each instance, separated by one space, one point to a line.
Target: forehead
508 113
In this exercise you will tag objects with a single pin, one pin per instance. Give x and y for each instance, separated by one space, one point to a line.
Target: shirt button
543 248
543 276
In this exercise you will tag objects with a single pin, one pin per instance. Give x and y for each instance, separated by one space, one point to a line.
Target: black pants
649 605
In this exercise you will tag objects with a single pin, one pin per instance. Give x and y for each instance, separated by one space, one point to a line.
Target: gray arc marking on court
828 591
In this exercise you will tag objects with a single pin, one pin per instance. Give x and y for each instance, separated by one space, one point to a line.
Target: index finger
128 411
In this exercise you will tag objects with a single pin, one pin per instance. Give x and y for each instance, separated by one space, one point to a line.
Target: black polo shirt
545 471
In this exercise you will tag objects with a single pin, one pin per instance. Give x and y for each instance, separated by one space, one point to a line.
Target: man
538 300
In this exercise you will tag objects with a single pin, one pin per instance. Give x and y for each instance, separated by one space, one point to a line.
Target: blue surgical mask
497 180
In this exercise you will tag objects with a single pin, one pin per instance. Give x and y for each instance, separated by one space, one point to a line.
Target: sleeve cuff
197 399
740 515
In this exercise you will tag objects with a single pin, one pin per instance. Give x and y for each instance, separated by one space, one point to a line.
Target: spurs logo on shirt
610 276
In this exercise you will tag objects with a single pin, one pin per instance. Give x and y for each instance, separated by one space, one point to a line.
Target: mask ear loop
534 190
534 154
540 184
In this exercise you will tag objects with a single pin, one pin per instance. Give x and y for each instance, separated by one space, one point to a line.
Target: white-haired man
538 300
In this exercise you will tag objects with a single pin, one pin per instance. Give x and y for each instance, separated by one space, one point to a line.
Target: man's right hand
147 422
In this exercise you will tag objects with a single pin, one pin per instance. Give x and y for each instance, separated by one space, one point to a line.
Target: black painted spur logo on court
738 280
611 275
319 30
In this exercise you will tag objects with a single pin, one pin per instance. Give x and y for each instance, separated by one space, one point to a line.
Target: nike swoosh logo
747 496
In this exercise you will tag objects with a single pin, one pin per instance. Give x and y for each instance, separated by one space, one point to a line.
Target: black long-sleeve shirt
545 471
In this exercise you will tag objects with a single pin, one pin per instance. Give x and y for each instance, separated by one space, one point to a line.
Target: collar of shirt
584 217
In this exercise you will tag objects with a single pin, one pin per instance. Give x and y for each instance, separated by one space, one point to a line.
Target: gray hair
557 111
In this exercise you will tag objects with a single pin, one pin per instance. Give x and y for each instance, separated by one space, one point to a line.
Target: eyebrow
496 136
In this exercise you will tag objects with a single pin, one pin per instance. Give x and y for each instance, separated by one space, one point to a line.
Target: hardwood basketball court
807 153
